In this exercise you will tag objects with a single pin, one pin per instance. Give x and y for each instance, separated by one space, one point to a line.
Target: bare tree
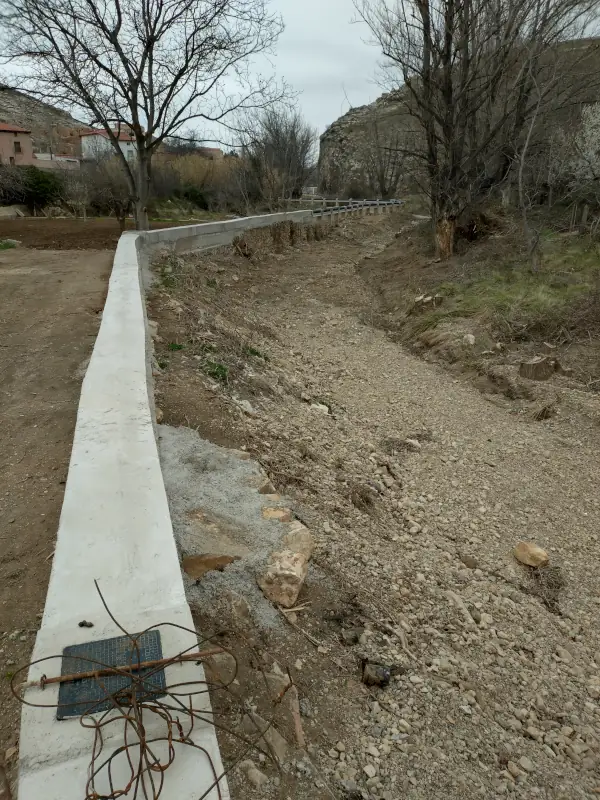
77 191
150 67
278 147
12 185
384 160
110 191
532 236
466 72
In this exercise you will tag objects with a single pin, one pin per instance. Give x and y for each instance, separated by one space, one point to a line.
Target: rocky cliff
51 129
350 146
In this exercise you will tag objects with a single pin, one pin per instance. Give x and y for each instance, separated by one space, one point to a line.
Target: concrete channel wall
115 528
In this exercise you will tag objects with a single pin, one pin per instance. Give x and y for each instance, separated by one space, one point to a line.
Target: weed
9 675
175 346
252 351
4 245
363 497
211 283
162 363
215 370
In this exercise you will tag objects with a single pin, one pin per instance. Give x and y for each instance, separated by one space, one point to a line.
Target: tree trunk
143 190
445 228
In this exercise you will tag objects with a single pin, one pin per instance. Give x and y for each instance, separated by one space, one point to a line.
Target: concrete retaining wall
115 528
215 234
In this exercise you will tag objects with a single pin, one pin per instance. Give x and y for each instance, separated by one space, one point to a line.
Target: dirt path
49 316
417 490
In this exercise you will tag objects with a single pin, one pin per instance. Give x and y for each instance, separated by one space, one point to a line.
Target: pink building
16 146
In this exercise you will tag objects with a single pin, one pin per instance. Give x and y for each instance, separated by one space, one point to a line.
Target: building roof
123 136
6 128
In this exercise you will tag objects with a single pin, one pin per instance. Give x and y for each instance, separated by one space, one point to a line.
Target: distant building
55 161
16 146
96 144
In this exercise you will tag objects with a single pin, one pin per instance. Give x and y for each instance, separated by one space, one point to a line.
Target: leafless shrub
547 583
278 151
363 497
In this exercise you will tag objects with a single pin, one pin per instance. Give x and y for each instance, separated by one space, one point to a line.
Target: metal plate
89 695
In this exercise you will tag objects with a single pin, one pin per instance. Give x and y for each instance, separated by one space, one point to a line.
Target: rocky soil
417 490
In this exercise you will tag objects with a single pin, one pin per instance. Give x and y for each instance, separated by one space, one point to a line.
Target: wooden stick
105 672
310 638
295 709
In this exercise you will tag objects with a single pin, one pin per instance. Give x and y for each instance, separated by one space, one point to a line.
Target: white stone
283 578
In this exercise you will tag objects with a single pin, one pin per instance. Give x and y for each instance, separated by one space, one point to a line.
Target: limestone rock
370 770
282 580
530 554
526 764
252 774
197 566
281 514
469 561
299 540
266 487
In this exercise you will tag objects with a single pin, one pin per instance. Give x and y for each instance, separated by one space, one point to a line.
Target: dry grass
363 497
226 343
547 583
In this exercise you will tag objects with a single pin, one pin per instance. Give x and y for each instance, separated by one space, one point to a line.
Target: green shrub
41 187
216 371
196 196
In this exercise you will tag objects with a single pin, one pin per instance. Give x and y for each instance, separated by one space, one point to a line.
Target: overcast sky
324 56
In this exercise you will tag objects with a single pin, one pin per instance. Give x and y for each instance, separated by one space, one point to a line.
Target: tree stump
538 369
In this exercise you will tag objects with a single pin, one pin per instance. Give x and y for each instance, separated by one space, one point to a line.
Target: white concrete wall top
114 527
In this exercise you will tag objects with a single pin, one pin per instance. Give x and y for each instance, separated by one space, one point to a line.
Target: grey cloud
325 57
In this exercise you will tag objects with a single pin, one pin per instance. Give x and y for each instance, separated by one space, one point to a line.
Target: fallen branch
310 638
295 709
400 634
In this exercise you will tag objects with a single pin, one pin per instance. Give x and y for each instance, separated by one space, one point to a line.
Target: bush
195 195
41 187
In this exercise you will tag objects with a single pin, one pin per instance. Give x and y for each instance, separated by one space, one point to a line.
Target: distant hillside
51 128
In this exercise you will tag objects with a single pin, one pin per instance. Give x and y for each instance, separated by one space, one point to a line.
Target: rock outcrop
351 147
52 130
